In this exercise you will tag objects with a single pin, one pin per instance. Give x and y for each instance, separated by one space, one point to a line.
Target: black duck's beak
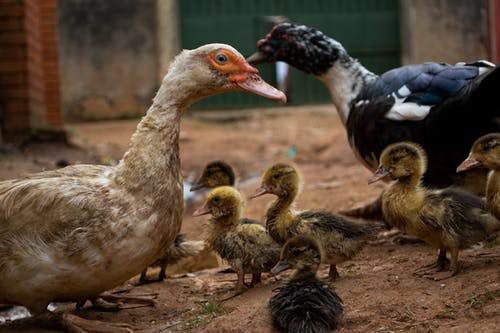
257 58
281 266
198 185
468 163
203 210
381 173
260 191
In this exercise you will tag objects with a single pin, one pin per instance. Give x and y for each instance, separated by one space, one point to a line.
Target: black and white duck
442 107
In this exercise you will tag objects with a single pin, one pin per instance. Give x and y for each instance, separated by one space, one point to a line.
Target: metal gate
368 29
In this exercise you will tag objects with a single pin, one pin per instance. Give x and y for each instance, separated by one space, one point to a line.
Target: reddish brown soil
378 287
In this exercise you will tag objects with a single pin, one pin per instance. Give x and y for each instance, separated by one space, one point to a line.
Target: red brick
13 66
11 10
17 53
13 79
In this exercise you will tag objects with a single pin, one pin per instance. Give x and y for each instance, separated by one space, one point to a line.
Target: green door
368 29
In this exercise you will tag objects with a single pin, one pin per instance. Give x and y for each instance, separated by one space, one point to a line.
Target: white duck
73 233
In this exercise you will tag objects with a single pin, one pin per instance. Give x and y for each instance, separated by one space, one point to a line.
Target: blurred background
80 60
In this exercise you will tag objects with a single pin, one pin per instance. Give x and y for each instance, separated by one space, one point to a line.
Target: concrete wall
108 57
444 30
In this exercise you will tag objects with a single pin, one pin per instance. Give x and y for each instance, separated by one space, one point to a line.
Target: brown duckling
485 153
215 174
447 219
181 249
245 245
340 238
304 304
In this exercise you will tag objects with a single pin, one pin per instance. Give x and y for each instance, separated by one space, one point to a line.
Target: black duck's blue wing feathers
424 84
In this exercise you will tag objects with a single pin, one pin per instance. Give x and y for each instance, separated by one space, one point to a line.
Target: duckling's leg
454 266
240 284
256 278
437 266
73 324
161 276
333 274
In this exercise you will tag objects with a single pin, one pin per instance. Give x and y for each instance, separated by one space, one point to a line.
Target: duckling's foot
256 278
333 274
73 324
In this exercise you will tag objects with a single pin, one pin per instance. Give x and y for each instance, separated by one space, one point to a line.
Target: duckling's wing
325 221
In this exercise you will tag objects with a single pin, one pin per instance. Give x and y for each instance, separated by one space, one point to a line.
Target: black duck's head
217 173
222 202
485 153
301 253
401 160
281 180
305 48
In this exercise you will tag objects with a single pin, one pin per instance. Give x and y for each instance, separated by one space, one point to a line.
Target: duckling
179 250
71 234
449 219
340 238
244 244
304 304
485 153
215 174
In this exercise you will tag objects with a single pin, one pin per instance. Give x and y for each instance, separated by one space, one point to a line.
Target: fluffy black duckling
304 304
245 245
448 219
340 238
181 249
429 103
485 153
215 174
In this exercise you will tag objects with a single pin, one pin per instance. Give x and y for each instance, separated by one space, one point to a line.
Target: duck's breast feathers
416 89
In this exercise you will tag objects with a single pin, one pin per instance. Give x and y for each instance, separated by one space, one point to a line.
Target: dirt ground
379 290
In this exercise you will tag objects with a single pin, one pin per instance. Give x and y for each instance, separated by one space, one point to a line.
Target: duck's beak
381 173
281 266
260 191
198 185
203 210
257 58
469 163
254 84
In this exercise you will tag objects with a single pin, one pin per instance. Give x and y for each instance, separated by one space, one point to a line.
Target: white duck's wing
45 200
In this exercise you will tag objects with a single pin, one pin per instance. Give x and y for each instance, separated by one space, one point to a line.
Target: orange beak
380 174
203 210
468 163
260 191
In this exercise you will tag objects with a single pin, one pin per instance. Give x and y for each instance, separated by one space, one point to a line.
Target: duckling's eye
215 199
394 159
296 252
276 176
221 58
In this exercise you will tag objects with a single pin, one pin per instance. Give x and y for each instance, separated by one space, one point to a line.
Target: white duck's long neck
150 169
344 80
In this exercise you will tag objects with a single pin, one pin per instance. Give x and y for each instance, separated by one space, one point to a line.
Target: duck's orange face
240 75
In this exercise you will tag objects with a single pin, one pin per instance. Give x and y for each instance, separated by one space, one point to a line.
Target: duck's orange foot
74 324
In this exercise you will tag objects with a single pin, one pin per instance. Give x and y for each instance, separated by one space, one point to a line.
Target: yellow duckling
448 219
215 174
244 244
340 238
485 153
304 304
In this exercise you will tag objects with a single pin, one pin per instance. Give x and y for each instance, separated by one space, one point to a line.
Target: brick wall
29 75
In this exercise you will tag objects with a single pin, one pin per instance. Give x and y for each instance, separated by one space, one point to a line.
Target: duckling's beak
260 191
203 210
281 266
469 163
198 185
257 58
381 173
